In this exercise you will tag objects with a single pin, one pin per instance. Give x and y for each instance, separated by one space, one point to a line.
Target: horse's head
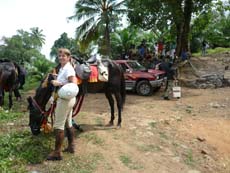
38 102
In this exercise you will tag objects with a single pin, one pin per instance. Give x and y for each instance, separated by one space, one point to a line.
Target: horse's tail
122 88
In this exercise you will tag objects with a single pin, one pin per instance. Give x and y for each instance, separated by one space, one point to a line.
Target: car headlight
157 77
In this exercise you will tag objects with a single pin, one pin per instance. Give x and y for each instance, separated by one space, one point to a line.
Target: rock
167 122
204 152
176 159
201 139
202 86
215 105
193 171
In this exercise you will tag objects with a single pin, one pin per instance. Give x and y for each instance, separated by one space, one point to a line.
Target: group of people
146 55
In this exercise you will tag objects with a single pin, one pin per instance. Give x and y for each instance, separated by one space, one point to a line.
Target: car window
124 67
135 65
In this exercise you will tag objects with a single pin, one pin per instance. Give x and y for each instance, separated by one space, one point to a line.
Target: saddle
85 70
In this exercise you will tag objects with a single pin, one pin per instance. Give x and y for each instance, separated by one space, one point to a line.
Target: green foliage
23 46
6 116
40 68
167 16
99 19
18 149
65 42
213 51
213 26
122 40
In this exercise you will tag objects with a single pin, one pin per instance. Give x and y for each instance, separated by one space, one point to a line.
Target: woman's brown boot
71 143
56 154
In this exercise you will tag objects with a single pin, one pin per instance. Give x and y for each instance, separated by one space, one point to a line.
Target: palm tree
97 17
37 36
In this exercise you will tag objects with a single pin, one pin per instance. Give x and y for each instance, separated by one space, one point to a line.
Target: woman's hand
56 83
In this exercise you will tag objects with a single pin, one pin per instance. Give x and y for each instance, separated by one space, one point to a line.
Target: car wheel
144 88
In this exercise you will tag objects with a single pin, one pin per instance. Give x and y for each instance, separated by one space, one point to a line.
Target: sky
49 15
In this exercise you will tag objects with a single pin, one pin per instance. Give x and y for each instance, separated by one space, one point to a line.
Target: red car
140 80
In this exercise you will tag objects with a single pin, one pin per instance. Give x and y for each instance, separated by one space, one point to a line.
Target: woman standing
63 112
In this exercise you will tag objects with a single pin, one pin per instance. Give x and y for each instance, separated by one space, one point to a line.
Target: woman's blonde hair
64 51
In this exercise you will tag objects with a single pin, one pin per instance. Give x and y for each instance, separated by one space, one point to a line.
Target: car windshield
135 65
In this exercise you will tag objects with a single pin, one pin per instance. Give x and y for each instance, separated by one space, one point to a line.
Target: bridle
44 113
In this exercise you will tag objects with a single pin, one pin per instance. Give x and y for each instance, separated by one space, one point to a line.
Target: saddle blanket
95 75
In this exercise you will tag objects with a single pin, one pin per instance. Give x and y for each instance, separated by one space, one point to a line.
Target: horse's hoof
110 124
118 126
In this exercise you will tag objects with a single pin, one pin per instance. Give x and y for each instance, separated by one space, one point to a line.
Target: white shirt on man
65 72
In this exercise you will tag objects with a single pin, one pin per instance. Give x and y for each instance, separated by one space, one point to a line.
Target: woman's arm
72 79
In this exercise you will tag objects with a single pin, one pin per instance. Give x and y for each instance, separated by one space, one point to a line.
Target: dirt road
190 135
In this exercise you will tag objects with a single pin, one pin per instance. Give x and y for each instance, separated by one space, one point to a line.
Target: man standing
171 76
204 44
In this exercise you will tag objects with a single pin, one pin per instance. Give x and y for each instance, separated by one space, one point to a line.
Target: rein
46 113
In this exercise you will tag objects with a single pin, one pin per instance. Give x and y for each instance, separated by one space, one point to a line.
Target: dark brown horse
9 82
115 86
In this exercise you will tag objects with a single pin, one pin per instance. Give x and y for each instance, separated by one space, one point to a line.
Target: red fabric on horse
93 76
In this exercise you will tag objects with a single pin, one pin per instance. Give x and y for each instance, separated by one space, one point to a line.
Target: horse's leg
119 107
111 103
1 97
17 94
10 99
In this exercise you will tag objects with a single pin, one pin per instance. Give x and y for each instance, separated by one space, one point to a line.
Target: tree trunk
183 28
107 40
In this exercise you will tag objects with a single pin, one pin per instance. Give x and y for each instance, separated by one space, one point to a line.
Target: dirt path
189 135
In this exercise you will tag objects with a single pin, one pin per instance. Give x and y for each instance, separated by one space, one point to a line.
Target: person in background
141 51
22 76
172 50
160 47
204 46
167 66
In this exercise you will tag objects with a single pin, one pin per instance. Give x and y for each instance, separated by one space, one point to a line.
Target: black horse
115 86
9 80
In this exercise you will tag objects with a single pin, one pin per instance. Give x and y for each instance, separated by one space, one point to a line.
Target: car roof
123 61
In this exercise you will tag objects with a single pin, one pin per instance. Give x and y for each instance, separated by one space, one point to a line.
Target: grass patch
6 116
127 161
189 159
149 148
163 135
30 84
99 121
18 149
92 137
75 164
153 124
82 114
213 51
